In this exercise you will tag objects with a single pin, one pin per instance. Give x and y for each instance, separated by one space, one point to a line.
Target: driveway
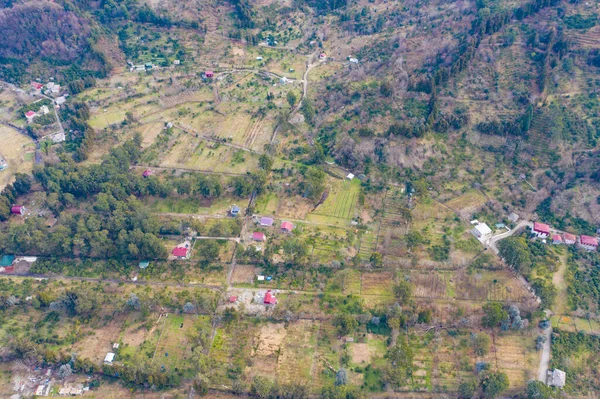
493 240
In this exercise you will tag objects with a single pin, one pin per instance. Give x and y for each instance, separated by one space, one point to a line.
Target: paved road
494 240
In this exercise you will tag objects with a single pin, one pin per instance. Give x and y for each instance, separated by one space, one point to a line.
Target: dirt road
545 358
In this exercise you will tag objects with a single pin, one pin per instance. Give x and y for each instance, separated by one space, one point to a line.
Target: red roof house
557 239
180 252
589 243
37 85
270 298
258 236
147 173
570 238
17 209
287 226
209 74
232 299
30 115
541 229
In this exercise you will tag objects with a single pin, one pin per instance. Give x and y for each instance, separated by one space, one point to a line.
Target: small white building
176 62
71 390
353 60
109 358
482 230
350 176
556 378
44 109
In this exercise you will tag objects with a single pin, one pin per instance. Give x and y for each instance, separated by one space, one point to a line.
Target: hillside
339 199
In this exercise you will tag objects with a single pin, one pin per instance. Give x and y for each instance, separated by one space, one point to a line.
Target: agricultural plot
367 245
193 153
329 243
467 203
379 284
191 96
231 351
492 286
150 132
423 348
516 356
429 218
100 341
173 348
17 151
448 371
295 363
393 227
350 281
267 204
340 204
575 324
267 344
433 285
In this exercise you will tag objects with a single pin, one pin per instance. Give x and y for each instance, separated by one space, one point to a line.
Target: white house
482 230
556 378
109 358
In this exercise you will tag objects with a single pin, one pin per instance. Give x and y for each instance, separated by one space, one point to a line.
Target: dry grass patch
18 151
517 358
297 353
96 345
244 274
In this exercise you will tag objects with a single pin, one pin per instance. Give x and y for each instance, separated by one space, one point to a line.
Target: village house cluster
544 231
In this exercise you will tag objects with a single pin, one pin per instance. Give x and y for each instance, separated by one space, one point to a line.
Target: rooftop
541 228
588 240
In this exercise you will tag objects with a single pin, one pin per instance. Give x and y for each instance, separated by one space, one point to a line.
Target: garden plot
367 245
350 281
340 204
492 286
393 227
466 204
423 349
193 153
173 347
17 150
431 285
267 346
379 284
231 351
365 353
326 353
516 356
293 208
328 243
295 363
244 274
429 219
150 132
185 97
267 204
447 372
